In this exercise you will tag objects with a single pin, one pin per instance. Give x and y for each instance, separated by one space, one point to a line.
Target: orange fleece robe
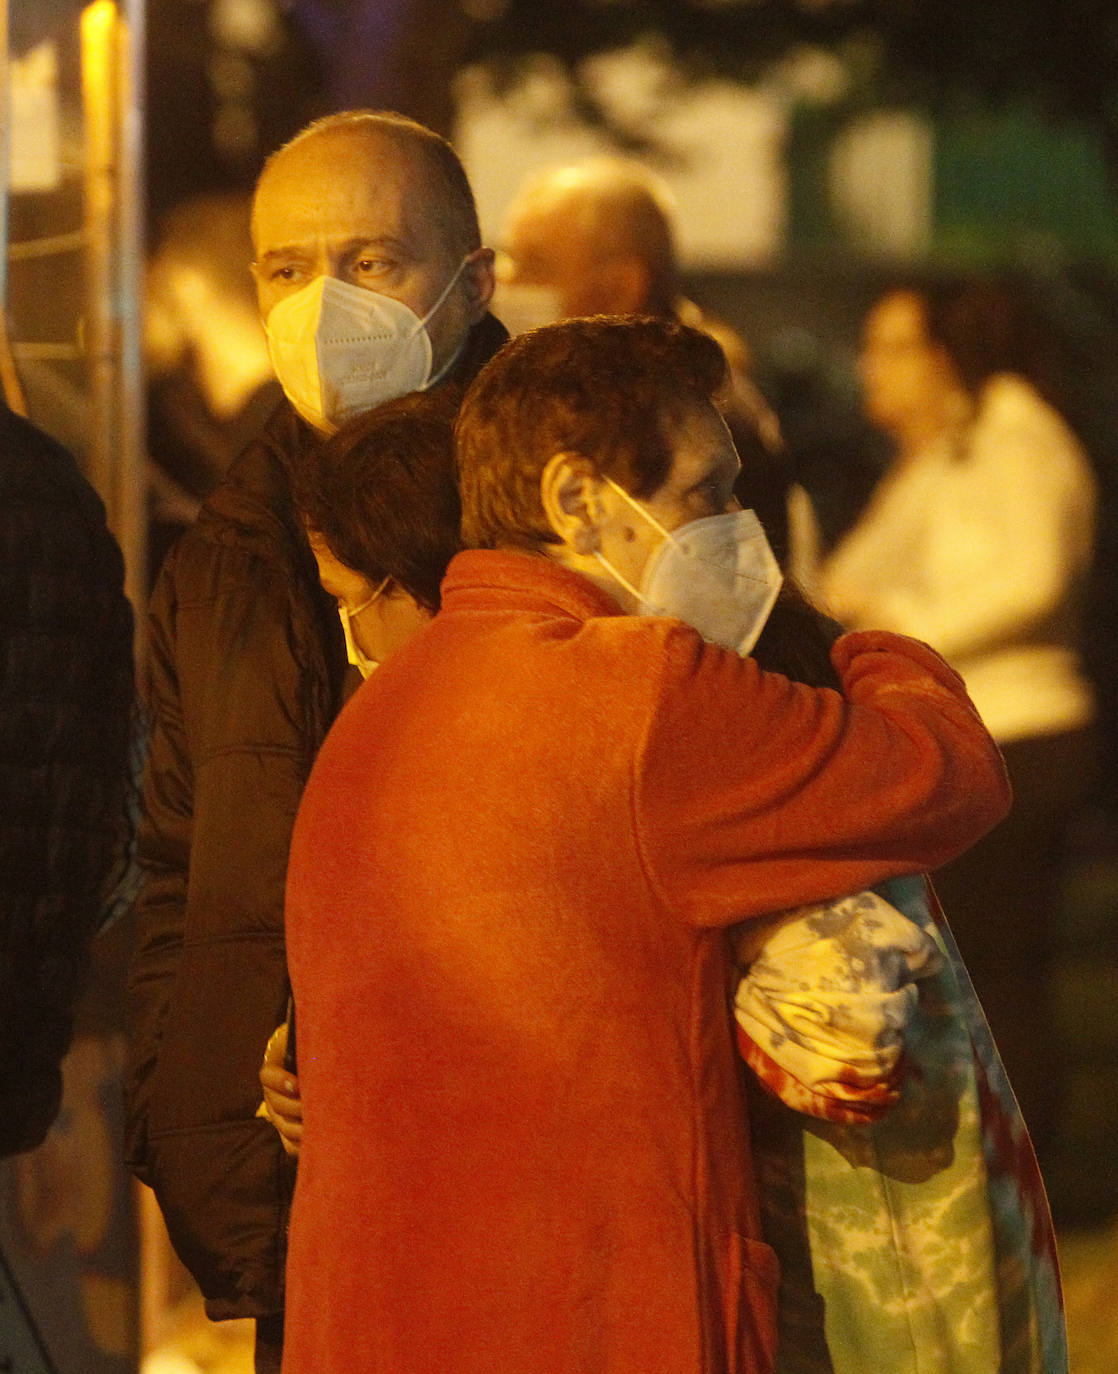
526 1149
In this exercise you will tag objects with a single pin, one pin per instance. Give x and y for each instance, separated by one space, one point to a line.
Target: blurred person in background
372 282
66 707
597 237
210 383
978 539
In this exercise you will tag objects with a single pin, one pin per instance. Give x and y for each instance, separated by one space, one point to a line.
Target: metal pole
112 101
10 387
5 153
99 104
132 487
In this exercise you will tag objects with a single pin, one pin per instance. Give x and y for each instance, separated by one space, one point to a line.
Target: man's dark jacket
245 676
66 696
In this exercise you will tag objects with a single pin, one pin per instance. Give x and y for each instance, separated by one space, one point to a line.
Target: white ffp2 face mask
353 651
717 574
339 350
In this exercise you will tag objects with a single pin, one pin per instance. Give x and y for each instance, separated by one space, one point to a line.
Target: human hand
824 1002
282 1104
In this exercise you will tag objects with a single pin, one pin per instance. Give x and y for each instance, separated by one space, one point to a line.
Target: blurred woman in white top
979 541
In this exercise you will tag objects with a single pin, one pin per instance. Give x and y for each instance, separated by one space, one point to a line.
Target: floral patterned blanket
914 1238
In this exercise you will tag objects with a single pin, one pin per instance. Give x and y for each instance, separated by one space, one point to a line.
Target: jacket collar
483 340
505 578
257 488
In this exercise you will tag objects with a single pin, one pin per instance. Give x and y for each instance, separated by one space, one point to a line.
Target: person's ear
479 277
569 491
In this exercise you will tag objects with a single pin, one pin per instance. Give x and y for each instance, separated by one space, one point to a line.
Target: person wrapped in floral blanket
897 1181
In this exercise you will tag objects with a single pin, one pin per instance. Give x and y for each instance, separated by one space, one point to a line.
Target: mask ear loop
366 604
447 289
636 505
422 324
620 577
656 525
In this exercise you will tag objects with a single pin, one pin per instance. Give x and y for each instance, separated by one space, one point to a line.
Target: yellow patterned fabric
824 1004
922 1243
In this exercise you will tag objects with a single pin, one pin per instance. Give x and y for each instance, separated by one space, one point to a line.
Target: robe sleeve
754 793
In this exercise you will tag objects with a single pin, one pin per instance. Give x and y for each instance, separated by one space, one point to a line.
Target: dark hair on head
985 325
797 639
610 388
457 210
382 493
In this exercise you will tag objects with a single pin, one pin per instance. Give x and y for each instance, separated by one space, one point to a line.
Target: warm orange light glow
98 44
99 39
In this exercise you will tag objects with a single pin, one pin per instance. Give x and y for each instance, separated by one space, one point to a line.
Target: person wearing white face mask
371 282
598 237
528 1142
380 501
716 573
340 350
381 505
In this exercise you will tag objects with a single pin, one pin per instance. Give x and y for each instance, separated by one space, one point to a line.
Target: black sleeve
228 758
66 706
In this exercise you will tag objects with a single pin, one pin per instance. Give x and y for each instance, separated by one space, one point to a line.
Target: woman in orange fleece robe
526 1149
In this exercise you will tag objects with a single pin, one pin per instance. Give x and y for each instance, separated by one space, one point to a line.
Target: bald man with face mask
597 237
372 282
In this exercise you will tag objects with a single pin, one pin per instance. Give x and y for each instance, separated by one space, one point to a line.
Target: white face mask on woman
717 574
339 350
353 651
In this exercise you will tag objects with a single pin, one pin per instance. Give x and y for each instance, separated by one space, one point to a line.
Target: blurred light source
235 131
231 76
484 11
250 25
98 47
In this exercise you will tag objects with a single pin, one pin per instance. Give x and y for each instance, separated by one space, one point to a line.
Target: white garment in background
980 547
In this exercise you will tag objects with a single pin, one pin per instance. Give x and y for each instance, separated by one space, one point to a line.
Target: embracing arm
757 793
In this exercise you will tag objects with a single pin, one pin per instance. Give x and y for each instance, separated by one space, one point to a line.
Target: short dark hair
382 493
456 209
610 388
986 326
